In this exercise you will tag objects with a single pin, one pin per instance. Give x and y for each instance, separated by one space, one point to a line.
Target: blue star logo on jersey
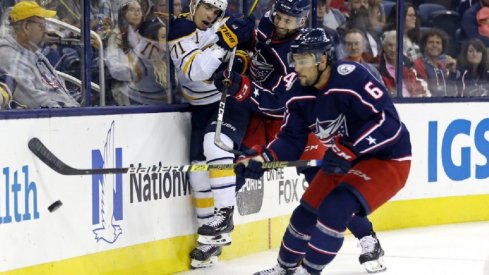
326 130
371 140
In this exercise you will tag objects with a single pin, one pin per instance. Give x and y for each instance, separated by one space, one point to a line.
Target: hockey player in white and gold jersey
200 42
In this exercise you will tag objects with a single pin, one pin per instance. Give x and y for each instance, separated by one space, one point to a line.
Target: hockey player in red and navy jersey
367 164
267 92
269 67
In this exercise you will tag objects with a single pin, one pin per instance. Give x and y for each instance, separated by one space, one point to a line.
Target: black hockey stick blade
51 160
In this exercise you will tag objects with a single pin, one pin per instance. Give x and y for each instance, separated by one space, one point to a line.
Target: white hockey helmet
220 4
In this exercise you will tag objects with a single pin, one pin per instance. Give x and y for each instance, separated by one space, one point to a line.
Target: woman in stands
411 47
473 76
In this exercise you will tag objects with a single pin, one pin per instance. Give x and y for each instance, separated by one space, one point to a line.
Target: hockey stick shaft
222 103
51 160
220 114
253 6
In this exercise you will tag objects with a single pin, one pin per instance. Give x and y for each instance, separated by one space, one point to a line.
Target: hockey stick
222 103
51 160
220 114
253 6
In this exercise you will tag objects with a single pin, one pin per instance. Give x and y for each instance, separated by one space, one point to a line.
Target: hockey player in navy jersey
269 67
272 77
367 163
199 43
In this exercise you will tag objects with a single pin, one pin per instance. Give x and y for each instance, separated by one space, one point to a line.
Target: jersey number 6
373 90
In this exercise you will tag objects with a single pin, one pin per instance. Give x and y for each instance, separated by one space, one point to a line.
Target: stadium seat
423 30
388 5
426 10
448 20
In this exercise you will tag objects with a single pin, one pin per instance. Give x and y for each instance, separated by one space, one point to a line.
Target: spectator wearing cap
38 84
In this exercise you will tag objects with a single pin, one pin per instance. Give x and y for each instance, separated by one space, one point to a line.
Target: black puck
55 205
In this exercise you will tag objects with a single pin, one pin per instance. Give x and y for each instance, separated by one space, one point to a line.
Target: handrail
77 81
101 67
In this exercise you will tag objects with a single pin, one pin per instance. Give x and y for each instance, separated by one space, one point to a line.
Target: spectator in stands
376 14
359 19
411 47
161 9
483 21
473 65
328 16
38 84
465 5
340 5
354 44
177 7
146 9
151 83
412 85
121 58
70 12
470 25
7 88
437 68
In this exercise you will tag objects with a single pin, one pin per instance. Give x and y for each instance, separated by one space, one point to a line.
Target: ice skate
371 257
277 270
204 256
217 231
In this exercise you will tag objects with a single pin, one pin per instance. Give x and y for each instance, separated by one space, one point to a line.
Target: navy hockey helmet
315 41
295 8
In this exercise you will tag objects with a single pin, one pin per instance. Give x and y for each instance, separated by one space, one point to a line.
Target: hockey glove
339 157
241 62
238 85
235 31
250 164
7 88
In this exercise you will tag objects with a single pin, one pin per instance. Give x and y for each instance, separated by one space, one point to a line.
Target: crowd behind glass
444 49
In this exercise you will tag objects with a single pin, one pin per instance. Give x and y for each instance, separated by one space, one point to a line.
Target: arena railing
101 68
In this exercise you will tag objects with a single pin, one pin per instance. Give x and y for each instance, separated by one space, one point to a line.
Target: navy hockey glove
235 31
250 164
339 157
238 85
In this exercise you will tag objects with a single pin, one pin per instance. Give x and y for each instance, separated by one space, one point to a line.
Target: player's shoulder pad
181 27
265 27
349 69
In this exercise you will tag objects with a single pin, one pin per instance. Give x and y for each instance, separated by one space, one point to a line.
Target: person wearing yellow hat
28 20
38 85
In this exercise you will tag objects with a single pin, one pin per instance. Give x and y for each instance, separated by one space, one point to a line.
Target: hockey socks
327 237
296 237
360 227
203 197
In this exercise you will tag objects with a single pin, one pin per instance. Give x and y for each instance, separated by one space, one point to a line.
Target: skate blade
375 266
223 239
194 264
